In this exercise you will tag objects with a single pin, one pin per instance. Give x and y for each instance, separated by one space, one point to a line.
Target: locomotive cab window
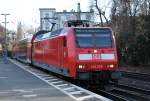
39 37
103 40
84 40
93 37
56 32
46 35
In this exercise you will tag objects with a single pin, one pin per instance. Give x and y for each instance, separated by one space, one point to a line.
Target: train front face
96 55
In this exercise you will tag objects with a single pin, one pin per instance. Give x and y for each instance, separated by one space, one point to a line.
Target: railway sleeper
136 95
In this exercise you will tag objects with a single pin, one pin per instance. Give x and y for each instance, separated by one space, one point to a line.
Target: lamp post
5 41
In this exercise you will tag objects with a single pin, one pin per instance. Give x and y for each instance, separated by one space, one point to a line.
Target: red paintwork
49 51
52 51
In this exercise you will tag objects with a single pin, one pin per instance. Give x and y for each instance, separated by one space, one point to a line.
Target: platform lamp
5 41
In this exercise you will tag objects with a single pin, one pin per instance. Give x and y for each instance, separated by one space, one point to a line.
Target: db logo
95 56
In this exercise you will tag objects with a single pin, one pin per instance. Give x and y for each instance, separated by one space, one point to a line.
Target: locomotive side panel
50 52
54 55
37 53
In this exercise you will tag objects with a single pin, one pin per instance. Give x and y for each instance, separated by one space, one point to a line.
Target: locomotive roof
61 32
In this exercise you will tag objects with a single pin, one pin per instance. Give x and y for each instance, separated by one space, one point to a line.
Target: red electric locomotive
80 53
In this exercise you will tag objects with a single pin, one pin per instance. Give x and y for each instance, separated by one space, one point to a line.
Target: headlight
82 66
110 66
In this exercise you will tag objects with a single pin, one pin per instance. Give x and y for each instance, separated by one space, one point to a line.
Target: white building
65 16
49 16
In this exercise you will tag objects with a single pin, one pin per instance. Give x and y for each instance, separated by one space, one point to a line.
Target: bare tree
103 13
149 8
95 4
125 13
99 11
145 7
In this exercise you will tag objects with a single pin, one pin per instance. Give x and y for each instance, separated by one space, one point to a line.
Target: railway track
122 92
109 95
133 87
128 95
137 76
138 80
136 89
130 92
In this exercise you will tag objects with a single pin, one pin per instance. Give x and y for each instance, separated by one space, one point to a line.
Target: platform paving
17 84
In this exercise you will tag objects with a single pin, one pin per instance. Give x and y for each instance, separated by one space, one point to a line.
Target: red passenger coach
22 50
82 53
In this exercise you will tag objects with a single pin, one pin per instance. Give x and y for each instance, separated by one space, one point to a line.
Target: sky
27 11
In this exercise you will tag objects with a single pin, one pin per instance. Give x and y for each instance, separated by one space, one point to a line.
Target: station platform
21 82
17 84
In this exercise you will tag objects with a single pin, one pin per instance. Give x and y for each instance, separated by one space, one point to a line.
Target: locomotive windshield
96 37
